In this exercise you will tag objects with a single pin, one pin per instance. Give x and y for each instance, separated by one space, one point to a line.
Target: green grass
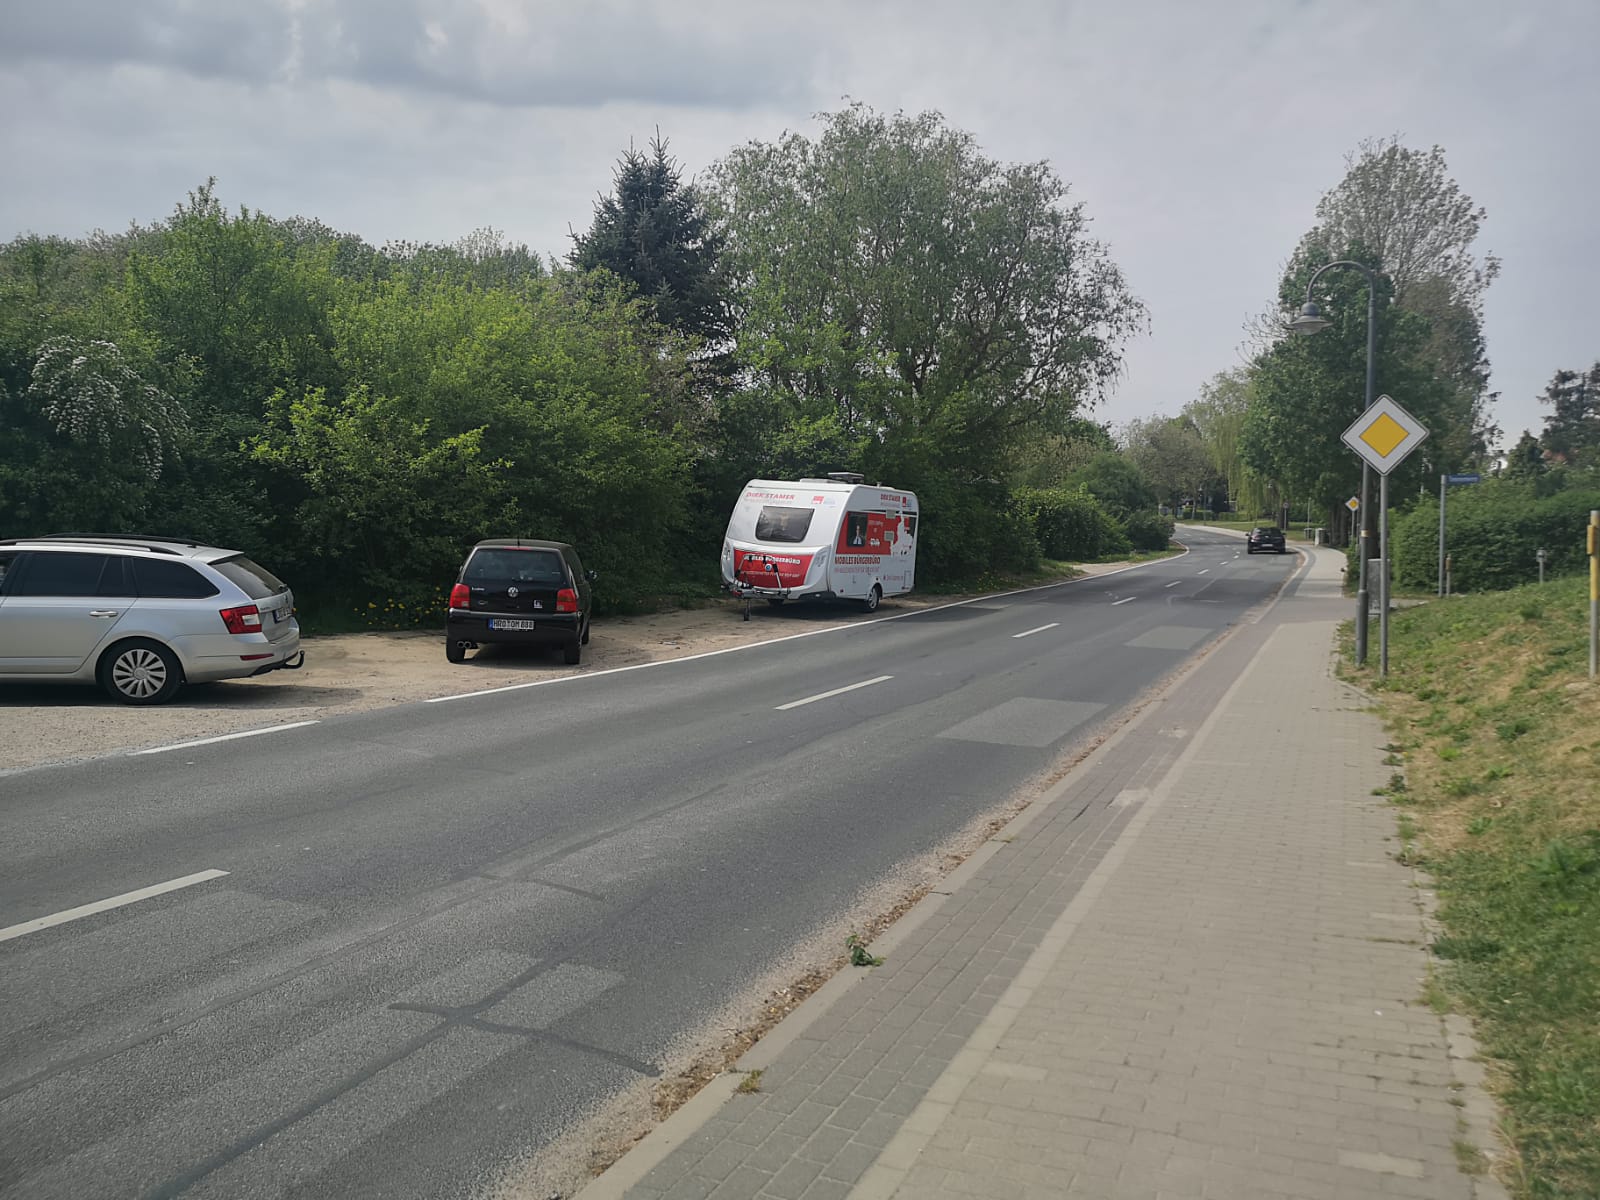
750 1084
1490 695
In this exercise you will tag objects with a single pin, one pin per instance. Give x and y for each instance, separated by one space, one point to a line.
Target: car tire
454 650
572 652
873 599
140 671
585 638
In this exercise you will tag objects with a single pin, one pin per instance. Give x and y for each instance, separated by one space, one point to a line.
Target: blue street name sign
1465 478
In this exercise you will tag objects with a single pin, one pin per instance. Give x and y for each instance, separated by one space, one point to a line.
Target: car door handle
103 613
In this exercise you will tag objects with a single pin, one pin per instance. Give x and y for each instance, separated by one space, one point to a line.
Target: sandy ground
353 672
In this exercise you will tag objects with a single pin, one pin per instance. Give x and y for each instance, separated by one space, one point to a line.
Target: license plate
505 623
280 614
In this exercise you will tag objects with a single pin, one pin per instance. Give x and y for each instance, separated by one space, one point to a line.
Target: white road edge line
224 737
828 695
917 612
88 910
1031 632
1124 600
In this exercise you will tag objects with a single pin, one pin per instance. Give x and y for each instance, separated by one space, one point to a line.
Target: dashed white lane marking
88 910
1124 600
224 737
1031 632
667 662
1174 583
836 692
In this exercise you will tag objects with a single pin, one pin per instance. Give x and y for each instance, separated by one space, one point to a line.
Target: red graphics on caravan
751 566
868 533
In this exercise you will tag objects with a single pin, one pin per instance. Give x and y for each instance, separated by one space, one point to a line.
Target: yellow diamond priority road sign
1352 504
1384 435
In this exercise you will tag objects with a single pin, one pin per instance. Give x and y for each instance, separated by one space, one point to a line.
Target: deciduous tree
1171 454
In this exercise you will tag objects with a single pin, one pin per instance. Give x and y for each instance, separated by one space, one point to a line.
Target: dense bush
1494 532
967 531
1113 479
1069 525
1148 531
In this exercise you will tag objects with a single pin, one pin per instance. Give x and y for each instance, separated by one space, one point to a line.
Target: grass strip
1490 706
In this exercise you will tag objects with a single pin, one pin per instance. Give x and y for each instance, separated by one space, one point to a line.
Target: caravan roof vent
847 476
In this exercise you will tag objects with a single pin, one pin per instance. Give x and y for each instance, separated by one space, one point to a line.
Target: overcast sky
1199 133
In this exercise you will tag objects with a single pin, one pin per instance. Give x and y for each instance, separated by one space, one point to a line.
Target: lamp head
1310 320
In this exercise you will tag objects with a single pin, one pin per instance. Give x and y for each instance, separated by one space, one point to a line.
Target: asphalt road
448 929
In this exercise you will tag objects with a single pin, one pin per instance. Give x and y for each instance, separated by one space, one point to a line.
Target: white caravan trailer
833 537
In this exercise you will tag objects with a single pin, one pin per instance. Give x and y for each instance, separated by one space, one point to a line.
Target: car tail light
244 619
566 601
460 596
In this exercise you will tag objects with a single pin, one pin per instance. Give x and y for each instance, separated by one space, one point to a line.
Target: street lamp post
1312 321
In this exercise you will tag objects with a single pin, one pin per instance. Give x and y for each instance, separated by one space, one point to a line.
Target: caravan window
782 524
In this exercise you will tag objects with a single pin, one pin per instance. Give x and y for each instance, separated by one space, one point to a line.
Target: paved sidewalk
1192 970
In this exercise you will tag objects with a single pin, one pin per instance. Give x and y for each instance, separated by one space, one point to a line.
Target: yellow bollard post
1594 591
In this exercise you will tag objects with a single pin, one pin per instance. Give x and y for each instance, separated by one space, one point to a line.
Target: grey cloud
206 40
498 52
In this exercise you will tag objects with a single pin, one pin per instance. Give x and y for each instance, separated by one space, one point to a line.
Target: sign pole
1382 436
1383 575
1441 534
1361 585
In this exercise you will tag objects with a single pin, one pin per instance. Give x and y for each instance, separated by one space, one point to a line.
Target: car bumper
211 657
548 628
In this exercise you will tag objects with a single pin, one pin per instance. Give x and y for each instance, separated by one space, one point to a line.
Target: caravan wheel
873 597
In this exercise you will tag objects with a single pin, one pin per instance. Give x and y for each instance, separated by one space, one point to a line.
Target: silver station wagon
139 615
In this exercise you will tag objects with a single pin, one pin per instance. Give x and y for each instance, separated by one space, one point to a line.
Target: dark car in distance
1266 537
520 591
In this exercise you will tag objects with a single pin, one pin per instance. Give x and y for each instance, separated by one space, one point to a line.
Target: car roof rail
152 542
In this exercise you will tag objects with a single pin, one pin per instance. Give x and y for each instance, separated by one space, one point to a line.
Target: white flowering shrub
94 399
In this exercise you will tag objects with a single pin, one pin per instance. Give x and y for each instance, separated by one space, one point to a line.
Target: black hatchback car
522 592
1264 538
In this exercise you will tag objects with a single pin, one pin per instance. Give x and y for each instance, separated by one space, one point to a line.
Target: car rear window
171 580
510 565
776 524
251 578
